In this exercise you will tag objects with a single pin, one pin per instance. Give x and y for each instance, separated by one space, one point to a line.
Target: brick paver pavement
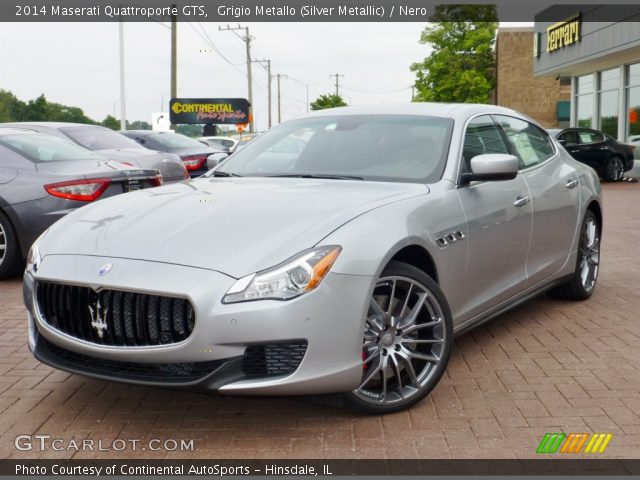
546 366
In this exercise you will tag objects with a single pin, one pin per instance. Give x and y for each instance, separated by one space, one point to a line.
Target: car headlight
296 276
33 258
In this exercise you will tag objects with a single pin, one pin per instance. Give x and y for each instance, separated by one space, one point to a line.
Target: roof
447 110
52 124
15 131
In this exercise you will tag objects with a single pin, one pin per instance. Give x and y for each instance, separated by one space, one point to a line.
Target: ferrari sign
191 111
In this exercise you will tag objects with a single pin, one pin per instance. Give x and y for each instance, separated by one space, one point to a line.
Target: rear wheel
10 258
585 276
614 170
407 340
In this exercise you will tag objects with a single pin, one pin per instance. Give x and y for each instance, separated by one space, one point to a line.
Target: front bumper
329 319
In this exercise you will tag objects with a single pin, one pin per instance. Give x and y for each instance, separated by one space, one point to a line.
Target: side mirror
204 142
215 158
492 167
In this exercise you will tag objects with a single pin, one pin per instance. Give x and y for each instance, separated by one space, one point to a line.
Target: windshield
98 138
401 148
175 140
46 148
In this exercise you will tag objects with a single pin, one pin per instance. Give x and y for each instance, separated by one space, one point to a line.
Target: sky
77 64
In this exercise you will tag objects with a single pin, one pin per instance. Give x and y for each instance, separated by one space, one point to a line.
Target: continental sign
574 443
191 111
564 33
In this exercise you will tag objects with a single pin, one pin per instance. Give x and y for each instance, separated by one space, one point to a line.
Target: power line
337 75
247 41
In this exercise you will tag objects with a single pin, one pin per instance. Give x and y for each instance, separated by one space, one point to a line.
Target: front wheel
407 341
585 276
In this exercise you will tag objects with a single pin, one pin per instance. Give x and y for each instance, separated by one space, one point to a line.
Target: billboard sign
216 111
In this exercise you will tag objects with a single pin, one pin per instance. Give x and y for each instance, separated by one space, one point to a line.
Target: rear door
499 218
554 189
590 148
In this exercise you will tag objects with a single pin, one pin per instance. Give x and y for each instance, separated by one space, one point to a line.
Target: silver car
347 268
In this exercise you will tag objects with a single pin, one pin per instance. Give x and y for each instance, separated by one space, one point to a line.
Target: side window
569 138
482 136
585 137
530 144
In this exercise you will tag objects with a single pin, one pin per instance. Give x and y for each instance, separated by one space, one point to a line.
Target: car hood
234 226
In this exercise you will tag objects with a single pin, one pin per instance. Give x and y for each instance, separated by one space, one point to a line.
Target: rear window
46 148
97 138
175 140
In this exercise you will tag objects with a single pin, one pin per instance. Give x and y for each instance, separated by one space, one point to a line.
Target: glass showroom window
608 101
633 100
584 101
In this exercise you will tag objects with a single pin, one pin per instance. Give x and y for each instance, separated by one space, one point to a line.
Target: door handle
521 201
574 151
573 183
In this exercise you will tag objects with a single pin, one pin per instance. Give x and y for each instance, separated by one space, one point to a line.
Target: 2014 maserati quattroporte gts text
337 253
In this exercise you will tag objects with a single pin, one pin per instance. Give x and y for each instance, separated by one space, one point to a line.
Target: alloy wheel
404 341
616 170
3 244
589 254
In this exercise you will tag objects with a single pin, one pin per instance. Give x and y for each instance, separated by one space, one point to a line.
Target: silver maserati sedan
345 267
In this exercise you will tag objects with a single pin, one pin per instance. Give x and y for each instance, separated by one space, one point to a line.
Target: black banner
216 111
266 467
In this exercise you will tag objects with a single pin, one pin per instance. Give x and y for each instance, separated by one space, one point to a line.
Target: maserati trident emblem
98 318
105 269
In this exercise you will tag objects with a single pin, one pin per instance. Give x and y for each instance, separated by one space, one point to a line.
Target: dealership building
599 59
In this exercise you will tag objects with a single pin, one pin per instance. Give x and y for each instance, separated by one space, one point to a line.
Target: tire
406 343
10 256
614 169
581 286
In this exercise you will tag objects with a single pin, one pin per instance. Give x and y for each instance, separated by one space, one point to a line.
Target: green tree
190 130
138 125
11 109
462 64
111 122
327 101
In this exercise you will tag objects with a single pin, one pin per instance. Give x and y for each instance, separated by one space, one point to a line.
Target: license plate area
132 185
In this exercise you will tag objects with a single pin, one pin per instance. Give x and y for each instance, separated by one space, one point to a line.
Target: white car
228 143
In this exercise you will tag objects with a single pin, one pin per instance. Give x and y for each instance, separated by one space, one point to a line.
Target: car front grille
273 359
164 372
114 317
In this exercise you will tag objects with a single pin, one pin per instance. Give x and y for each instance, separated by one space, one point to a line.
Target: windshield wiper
219 173
313 175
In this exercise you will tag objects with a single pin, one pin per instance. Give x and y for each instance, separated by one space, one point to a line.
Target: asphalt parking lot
547 366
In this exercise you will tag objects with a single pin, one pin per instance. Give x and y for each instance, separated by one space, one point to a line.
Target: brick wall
517 88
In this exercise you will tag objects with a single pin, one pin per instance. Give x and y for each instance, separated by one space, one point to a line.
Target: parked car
193 153
111 145
243 139
635 141
226 143
42 178
346 269
600 151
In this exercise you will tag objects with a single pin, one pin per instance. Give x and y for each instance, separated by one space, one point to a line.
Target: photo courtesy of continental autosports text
319 238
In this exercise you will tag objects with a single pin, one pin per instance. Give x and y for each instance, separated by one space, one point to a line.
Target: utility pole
337 75
413 93
123 113
174 60
279 75
247 40
268 62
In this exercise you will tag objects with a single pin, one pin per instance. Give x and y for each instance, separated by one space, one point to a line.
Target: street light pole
123 114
